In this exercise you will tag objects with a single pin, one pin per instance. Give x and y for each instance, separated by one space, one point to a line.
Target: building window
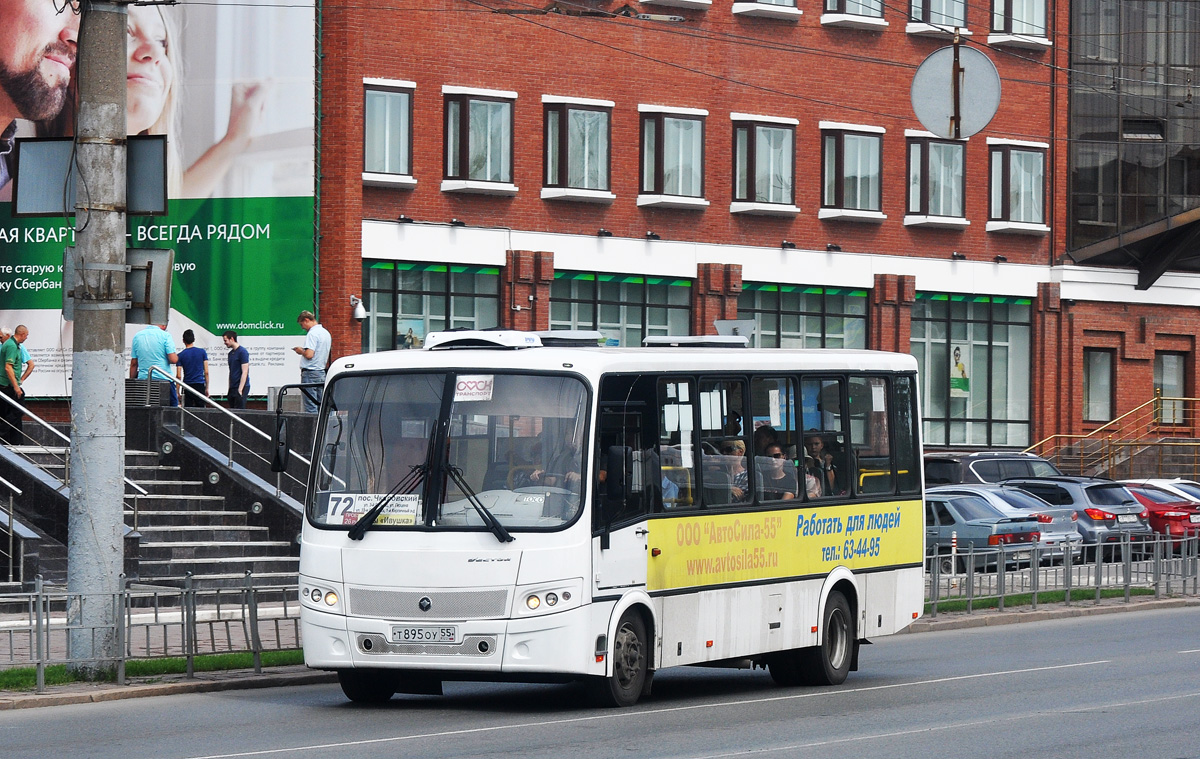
1097 385
624 309
974 356
764 162
1169 379
935 178
672 154
1017 184
948 13
479 138
796 316
872 8
851 165
406 301
577 145
1027 17
387 145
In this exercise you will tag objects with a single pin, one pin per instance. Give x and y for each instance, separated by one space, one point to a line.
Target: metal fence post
1001 577
970 578
1127 566
1158 568
1100 568
252 611
37 629
120 604
189 625
935 583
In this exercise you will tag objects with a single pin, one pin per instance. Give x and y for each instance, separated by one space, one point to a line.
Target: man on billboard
37 55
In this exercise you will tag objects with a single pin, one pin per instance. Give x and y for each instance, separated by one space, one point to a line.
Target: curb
993 618
211 682
236 680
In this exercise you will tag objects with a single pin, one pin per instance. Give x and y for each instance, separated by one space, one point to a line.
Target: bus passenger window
869 435
675 453
825 452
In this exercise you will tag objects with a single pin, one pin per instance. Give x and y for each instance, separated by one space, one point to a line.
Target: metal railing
16 565
232 444
1156 421
1168 565
42 628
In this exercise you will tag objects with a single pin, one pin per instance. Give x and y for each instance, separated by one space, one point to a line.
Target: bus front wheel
829 663
629 664
368 686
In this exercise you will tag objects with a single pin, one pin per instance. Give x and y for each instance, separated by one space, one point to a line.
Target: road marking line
1191 651
937 728
609 716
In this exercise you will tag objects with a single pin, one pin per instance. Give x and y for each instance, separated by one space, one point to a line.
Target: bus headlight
323 596
533 602
548 598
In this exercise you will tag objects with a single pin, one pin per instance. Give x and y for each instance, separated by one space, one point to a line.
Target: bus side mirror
279 444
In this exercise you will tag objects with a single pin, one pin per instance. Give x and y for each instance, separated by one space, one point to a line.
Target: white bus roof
594 361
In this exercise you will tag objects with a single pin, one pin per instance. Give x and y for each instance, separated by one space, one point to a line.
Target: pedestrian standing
10 385
314 357
239 370
193 369
153 347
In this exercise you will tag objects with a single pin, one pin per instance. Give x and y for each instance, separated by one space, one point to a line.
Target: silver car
1057 524
958 524
1108 513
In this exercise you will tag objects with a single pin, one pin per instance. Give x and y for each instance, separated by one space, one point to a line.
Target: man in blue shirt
153 347
239 370
193 369
314 357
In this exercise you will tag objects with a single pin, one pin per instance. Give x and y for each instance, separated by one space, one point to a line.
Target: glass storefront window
797 316
623 308
430 297
974 353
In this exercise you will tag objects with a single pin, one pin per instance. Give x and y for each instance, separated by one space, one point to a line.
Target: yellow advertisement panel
713 549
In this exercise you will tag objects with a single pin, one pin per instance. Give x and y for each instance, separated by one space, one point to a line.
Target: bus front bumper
547 644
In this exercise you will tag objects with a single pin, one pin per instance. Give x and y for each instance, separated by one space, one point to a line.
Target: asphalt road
1122 685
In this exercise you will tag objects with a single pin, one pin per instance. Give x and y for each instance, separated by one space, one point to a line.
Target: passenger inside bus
776 475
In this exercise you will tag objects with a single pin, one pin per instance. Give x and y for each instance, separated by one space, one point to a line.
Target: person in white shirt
314 357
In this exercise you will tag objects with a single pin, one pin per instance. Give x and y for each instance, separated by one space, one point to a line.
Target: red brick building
649 168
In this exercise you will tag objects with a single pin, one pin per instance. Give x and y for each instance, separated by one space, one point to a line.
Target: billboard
232 88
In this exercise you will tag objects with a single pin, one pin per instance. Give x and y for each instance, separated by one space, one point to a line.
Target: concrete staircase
185 529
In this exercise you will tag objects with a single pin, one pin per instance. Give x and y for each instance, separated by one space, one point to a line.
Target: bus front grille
442 605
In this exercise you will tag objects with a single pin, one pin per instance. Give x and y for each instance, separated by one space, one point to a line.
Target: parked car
1187 490
973 523
1170 514
1108 513
1056 524
952 468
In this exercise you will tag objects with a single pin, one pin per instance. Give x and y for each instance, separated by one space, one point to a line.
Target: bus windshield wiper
488 517
416 475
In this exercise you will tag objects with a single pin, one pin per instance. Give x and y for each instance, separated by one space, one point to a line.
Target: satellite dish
934 96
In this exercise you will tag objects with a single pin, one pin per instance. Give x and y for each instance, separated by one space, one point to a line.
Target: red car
1169 515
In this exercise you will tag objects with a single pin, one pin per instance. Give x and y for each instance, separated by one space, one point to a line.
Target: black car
954 468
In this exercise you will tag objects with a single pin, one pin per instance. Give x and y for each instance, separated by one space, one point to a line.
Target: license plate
425 634
1194 518
1126 518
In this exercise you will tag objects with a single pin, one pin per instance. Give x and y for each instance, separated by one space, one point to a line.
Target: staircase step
197 533
161 570
235 580
172 486
164 518
234 551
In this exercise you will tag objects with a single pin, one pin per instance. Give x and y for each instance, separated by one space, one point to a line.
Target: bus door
624 488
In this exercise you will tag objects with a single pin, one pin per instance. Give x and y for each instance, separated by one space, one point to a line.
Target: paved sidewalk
275 677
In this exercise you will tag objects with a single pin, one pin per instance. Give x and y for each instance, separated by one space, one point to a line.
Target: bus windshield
450 450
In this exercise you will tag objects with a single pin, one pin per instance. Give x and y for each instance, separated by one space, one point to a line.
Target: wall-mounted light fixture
956 256
404 219
652 236
603 233
360 312
787 245
833 247
1001 259
457 223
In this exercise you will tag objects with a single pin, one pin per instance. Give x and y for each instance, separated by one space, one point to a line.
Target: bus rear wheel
829 662
629 664
368 686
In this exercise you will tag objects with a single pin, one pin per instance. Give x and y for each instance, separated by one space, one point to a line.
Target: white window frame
785 11
1003 21
464 184
839 211
562 191
656 197
922 217
388 179
756 207
1004 222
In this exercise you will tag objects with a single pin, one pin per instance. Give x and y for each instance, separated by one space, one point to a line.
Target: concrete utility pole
95 548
